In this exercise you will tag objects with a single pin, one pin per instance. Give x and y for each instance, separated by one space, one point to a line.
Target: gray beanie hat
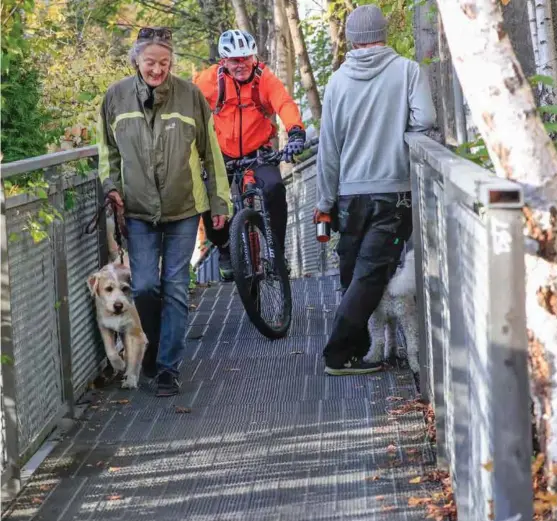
366 24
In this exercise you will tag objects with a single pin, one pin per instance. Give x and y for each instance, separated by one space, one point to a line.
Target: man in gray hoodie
363 169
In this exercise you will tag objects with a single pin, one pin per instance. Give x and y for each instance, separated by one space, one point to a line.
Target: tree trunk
263 21
546 39
543 44
283 67
337 25
306 71
445 103
504 109
427 53
241 13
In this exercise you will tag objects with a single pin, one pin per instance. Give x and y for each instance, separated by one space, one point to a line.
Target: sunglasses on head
148 33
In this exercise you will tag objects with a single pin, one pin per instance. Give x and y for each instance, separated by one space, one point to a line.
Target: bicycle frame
245 194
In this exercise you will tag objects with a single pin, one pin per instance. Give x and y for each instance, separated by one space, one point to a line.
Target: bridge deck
258 433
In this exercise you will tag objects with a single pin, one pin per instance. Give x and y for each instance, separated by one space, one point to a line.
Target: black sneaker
167 384
354 366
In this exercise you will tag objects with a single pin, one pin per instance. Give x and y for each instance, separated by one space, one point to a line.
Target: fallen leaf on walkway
182 410
114 497
415 480
395 398
373 478
37 501
44 488
391 448
100 463
121 402
488 466
388 508
418 501
380 498
113 469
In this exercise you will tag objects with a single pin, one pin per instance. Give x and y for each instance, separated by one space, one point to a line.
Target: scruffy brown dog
117 316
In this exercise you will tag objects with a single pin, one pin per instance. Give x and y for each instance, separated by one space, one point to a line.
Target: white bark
534 32
546 39
241 13
504 109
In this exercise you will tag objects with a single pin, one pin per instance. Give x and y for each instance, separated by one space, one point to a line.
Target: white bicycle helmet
237 44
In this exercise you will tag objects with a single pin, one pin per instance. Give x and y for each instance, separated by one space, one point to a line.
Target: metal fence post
62 300
430 298
101 229
459 379
507 344
416 167
11 476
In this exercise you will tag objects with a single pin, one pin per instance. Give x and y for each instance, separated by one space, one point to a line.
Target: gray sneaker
354 366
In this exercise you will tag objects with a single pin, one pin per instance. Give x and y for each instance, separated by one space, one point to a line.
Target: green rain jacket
152 150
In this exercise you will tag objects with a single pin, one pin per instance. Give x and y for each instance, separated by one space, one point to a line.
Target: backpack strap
255 94
221 89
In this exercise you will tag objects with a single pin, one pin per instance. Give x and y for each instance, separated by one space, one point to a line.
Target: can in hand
323 228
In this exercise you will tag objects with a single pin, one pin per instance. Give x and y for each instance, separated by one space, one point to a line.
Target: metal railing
50 341
471 296
469 250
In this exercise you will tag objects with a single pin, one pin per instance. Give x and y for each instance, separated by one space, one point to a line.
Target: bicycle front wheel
260 275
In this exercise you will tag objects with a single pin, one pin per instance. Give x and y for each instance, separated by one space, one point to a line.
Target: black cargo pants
373 229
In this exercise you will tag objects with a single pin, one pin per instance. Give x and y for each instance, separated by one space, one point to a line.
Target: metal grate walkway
258 433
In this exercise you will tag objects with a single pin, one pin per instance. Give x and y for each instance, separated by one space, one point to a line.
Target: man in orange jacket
243 95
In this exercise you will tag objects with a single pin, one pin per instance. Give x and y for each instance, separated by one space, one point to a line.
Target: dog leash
94 224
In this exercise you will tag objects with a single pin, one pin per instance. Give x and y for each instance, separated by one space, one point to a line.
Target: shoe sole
167 393
347 372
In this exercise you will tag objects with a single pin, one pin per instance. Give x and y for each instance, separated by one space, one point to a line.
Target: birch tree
306 71
503 107
543 44
242 17
283 59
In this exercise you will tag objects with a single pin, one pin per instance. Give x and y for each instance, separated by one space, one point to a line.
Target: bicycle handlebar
272 157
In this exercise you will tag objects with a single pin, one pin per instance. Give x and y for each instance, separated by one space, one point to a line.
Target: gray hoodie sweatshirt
370 102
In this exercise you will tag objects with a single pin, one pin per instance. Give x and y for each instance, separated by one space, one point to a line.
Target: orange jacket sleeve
207 83
273 91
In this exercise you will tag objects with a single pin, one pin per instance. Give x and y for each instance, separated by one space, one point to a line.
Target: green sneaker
225 267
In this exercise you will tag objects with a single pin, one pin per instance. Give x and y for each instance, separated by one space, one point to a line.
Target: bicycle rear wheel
263 283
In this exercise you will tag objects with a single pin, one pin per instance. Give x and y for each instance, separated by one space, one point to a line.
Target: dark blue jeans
161 296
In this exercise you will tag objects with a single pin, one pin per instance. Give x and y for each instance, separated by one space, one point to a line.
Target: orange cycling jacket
241 126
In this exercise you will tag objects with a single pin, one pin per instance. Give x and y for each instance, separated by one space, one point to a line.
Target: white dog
397 305
117 315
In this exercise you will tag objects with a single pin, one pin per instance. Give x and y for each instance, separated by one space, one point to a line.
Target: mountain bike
258 263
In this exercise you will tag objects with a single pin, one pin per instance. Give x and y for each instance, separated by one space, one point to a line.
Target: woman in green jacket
155 136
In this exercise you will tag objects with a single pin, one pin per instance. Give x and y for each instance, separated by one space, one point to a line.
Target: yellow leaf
505 2
488 466
415 480
113 469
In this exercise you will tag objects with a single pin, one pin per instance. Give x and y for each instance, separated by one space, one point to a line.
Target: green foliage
13 43
193 278
5 359
23 131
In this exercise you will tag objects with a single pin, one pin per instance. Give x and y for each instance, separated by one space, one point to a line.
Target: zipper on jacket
240 107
